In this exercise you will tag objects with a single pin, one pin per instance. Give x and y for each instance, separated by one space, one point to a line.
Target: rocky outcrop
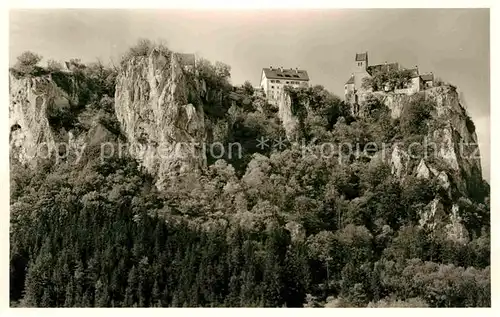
451 142
455 230
47 120
164 130
435 216
289 121
422 170
32 99
297 231
451 158
398 162
451 129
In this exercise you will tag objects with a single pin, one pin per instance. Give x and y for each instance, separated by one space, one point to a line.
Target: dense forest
273 228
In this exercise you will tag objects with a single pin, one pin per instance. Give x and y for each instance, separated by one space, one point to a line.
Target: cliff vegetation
302 223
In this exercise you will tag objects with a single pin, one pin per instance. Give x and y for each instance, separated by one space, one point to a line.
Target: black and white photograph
261 158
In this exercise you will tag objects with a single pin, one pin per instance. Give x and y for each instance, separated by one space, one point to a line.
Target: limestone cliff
164 131
451 158
451 139
288 119
48 120
32 100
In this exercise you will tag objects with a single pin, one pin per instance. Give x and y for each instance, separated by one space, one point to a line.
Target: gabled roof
361 57
186 59
382 67
292 74
427 77
350 81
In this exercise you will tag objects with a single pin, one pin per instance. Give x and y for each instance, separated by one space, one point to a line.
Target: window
287 82
296 76
279 75
278 81
272 81
272 87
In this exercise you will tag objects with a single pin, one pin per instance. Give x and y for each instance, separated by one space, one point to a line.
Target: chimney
281 68
296 70
271 67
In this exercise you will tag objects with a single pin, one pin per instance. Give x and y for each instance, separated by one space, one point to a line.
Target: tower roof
427 77
361 57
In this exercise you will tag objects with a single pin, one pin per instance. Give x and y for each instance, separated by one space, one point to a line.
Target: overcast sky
454 44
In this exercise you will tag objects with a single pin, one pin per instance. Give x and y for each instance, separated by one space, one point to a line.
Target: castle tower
361 62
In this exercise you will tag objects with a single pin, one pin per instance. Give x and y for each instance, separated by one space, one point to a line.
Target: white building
273 80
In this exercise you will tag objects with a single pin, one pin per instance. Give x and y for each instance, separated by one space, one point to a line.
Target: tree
248 88
387 78
27 63
415 116
143 47
54 66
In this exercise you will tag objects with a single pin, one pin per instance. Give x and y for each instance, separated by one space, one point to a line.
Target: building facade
273 80
354 92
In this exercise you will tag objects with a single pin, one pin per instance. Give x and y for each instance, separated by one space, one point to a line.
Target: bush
54 66
248 88
394 79
415 116
27 64
143 47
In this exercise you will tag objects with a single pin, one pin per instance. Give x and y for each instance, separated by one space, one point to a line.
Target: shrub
394 79
248 88
143 47
54 66
415 116
27 64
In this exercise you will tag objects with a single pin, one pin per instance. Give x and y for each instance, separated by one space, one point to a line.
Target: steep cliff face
49 119
32 99
165 132
451 139
289 121
451 157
